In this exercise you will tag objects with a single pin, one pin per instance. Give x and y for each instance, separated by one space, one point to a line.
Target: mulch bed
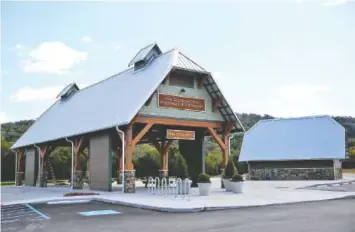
74 194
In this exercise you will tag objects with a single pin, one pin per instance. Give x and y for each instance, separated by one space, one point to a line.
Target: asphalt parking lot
325 216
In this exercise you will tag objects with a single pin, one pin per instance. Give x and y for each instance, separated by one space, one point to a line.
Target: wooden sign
181 103
180 134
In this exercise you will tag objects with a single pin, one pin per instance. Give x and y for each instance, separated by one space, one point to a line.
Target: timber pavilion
162 97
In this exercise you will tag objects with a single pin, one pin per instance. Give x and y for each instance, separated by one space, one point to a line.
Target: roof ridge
296 118
191 60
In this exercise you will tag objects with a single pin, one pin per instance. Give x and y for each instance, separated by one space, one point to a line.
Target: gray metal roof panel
316 137
111 102
186 63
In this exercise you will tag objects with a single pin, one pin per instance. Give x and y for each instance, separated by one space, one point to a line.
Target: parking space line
38 212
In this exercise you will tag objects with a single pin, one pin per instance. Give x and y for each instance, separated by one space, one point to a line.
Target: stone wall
338 169
293 173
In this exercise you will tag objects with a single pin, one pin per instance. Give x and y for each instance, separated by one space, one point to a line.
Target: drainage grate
19 213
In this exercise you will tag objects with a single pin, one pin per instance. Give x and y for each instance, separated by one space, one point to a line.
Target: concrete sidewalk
256 193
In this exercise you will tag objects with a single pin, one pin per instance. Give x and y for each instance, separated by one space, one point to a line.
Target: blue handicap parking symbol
99 213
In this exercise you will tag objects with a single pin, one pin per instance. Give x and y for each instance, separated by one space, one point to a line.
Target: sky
283 58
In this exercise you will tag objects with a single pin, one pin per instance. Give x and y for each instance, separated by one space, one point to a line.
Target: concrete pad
256 193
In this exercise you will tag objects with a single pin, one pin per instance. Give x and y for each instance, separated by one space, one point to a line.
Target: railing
176 188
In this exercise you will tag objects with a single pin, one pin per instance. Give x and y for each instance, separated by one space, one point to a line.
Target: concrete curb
168 209
275 204
154 208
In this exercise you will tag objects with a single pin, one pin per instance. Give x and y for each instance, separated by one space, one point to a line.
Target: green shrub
204 178
237 178
182 168
230 169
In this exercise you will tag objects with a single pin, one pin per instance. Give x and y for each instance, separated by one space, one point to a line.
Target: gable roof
104 105
316 137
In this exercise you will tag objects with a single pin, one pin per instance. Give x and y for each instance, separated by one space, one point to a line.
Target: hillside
13 130
10 132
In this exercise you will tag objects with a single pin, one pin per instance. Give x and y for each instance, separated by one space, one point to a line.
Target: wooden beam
142 133
176 122
77 144
43 151
228 128
217 138
167 146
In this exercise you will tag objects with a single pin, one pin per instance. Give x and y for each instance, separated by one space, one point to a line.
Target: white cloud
49 93
86 39
299 100
3 117
28 94
53 57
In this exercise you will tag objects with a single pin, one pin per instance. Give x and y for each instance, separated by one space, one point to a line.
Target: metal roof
143 53
316 137
184 62
111 102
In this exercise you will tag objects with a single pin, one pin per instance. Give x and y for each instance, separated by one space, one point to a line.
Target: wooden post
129 148
165 157
77 150
19 172
78 175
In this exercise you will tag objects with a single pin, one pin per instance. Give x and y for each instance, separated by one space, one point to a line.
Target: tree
213 161
147 161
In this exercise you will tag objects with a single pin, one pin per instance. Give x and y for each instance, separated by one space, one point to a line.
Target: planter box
183 187
204 188
237 187
227 184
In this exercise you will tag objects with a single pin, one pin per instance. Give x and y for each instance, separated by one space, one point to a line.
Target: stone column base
222 174
130 181
163 173
87 175
43 180
19 178
78 180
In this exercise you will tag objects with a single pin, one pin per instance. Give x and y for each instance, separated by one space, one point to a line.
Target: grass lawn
6 183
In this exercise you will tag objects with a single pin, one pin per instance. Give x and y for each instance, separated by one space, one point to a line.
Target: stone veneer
78 180
130 181
19 178
294 174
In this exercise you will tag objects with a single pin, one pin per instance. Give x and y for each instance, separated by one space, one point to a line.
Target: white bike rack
172 187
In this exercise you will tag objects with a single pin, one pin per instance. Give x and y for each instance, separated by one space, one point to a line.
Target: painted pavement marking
20 212
99 213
